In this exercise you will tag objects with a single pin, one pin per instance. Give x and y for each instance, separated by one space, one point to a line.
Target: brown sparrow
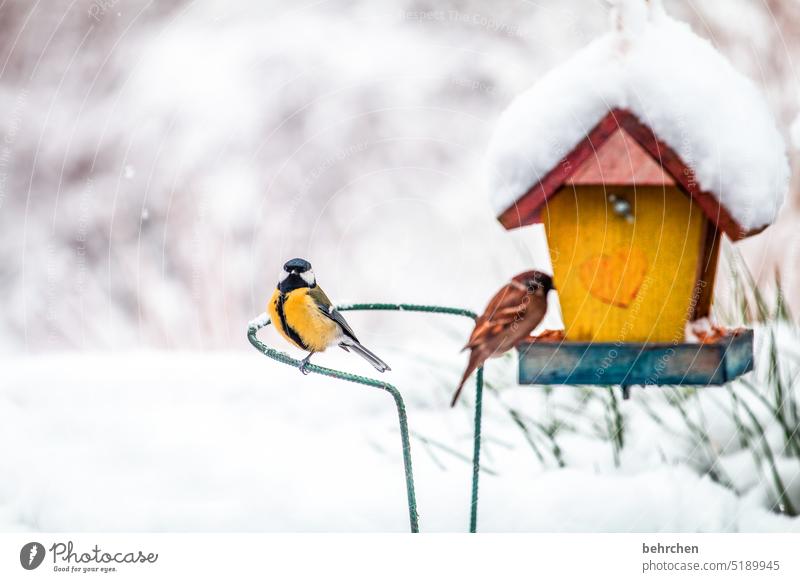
512 314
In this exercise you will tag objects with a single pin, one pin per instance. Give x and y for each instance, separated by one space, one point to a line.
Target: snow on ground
157 441
676 83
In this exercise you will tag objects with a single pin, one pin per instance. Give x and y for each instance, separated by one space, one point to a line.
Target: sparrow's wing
326 307
508 305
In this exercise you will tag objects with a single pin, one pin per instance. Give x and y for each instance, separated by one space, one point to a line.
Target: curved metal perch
255 325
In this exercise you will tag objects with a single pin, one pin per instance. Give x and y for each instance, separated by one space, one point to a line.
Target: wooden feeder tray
550 361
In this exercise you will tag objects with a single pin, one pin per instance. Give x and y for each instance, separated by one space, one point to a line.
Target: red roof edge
526 209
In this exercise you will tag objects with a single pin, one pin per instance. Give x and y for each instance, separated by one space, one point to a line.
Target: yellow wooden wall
623 281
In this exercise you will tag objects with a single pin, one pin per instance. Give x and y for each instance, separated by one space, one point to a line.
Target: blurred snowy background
163 159
158 163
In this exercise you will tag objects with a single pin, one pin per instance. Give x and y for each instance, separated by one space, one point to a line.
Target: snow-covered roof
676 83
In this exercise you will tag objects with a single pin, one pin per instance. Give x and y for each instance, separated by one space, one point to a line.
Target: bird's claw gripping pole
263 321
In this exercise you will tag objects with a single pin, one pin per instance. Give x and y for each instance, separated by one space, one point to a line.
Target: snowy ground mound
200 442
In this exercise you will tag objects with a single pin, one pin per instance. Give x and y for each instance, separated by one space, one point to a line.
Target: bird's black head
297 273
298 265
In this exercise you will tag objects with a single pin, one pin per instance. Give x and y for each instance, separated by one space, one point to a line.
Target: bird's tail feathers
376 362
471 366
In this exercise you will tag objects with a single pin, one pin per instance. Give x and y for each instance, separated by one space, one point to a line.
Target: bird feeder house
638 156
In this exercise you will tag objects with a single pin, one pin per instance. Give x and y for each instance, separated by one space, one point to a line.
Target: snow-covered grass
158 441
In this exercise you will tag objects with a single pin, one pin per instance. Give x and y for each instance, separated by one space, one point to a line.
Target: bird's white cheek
309 278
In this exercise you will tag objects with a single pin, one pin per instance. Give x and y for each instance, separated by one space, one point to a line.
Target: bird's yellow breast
298 319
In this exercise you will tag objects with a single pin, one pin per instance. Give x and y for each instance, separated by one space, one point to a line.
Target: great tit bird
305 317
512 314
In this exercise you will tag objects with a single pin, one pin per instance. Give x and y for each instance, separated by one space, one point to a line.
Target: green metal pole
476 452
476 444
398 399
